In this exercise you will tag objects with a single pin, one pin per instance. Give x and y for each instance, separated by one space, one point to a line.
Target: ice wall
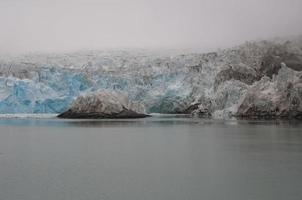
164 83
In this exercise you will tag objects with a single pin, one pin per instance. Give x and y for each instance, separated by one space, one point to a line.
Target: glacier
163 82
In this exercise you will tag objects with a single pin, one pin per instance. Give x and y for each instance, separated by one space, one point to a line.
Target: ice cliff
210 84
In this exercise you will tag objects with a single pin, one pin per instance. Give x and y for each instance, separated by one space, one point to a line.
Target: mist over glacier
70 25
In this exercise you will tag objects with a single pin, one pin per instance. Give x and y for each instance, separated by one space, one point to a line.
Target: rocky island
104 104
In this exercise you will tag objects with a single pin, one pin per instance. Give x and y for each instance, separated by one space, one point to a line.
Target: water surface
159 158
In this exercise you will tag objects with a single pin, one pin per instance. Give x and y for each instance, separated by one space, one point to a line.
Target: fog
70 25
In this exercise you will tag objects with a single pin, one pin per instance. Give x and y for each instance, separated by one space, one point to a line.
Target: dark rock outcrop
104 105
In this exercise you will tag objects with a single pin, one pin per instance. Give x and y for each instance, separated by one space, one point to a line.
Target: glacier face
164 83
54 90
49 91
161 83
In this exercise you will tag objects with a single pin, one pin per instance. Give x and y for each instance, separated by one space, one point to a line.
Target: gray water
150 159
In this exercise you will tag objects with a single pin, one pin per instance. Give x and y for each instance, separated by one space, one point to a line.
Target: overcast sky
69 25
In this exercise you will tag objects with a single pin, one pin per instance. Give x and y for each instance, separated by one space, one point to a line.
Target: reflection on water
94 123
154 158
158 119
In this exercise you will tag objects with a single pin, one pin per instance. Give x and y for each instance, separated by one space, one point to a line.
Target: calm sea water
160 158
